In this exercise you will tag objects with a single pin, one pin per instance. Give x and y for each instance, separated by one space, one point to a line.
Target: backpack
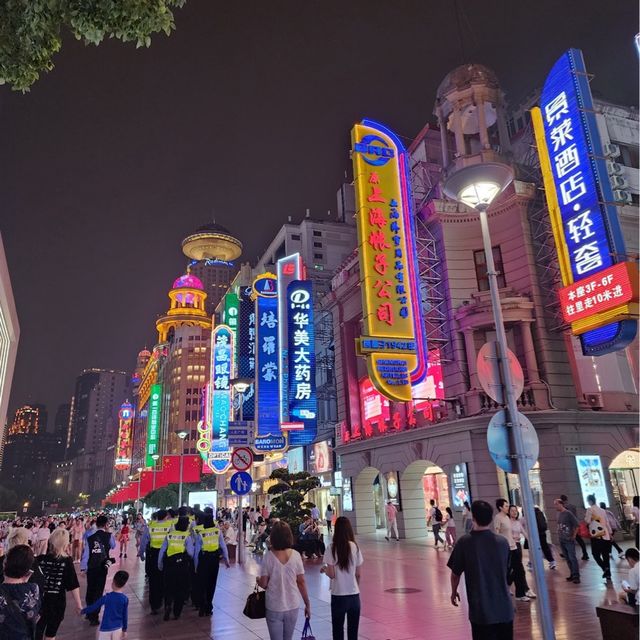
438 515
98 544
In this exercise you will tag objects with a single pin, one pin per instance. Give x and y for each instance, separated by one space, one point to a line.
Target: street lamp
139 480
240 386
155 457
477 186
182 434
58 480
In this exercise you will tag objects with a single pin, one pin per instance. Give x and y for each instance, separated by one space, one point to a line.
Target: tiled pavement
385 616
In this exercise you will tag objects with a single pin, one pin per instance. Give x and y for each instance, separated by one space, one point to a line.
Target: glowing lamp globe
478 185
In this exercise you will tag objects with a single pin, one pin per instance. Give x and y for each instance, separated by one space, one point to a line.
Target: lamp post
138 500
182 434
155 457
477 186
240 386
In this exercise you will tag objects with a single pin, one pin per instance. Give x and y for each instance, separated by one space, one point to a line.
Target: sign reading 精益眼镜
222 372
303 403
582 209
153 423
393 340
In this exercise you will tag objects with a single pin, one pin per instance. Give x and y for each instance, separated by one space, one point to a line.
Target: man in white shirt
630 587
392 524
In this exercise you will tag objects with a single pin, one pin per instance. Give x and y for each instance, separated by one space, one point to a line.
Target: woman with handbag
282 575
343 560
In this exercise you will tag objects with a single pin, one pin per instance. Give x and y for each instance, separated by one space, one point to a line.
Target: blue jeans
569 551
282 624
348 606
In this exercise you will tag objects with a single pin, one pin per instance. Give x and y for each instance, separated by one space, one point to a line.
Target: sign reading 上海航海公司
393 340
302 400
222 372
267 380
124 443
153 423
581 206
246 349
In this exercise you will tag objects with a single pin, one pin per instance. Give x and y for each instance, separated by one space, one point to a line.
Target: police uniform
174 560
157 532
209 547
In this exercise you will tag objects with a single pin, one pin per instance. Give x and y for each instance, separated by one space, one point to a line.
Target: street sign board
242 458
241 433
241 483
270 443
499 442
489 372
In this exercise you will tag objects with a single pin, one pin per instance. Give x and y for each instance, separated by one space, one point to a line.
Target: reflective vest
158 532
177 542
199 528
210 539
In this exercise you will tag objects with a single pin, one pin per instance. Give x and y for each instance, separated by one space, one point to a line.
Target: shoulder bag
255 608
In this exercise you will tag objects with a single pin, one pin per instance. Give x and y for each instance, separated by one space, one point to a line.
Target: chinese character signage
153 423
393 340
230 317
222 372
124 443
459 486
583 216
592 479
267 414
303 404
246 349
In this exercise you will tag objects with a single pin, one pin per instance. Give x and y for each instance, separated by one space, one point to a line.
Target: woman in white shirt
343 560
282 575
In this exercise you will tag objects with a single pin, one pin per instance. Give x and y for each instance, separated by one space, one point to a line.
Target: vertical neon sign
222 371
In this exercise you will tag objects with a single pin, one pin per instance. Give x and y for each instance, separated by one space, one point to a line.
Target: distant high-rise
30 419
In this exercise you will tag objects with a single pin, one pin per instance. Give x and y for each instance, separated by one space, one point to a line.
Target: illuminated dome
188 281
145 353
464 76
212 242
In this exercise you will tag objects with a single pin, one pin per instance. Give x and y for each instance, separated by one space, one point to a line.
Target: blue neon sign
589 218
246 349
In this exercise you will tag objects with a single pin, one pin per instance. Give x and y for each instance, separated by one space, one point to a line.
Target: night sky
242 114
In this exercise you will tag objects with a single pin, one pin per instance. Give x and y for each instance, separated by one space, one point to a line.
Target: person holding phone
630 586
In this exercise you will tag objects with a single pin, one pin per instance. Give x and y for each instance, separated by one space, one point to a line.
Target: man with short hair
483 557
632 584
567 529
572 509
435 520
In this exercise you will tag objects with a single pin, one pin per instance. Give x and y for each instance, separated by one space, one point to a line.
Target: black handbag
256 605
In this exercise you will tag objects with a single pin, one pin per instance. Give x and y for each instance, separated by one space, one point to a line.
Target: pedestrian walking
77 532
614 525
567 530
174 560
392 520
41 539
150 545
282 575
596 520
59 577
19 598
435 520
139 527
115 617
483 557
209 547
542 525
95 561
342 562
635 510
572 509
328 517
123 537
449 529
315 512
467 519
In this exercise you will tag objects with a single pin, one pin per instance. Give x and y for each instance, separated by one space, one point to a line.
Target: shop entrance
421 482
509 484
624 472
369 494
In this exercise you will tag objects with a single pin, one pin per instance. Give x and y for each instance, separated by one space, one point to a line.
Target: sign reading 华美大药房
302 403
124 443
393 340
581 207
221 374
153 423
267 414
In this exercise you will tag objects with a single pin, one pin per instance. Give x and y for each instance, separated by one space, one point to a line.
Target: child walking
116 609
450 529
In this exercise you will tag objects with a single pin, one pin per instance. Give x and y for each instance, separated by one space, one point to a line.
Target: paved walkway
425 613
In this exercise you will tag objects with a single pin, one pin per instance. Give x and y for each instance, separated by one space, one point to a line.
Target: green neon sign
153 423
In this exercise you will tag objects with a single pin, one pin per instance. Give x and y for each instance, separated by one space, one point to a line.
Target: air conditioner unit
611 150
622 196
594 400
618 182
614 168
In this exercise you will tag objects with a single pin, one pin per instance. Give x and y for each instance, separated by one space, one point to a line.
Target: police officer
150 545
209 546
174 560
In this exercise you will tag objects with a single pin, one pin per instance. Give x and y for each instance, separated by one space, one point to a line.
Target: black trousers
600 550
176 582
96 579
155 578
518 572
342 606
544 545
206 578
51 615
500 631
583 546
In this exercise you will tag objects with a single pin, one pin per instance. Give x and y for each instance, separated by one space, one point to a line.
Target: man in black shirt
483 557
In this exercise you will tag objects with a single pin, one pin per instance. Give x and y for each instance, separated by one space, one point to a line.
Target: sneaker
570 579
524 599
621 555
531 594
552 565
386 538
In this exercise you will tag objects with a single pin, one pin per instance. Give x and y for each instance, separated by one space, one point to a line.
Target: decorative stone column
482 123
533 375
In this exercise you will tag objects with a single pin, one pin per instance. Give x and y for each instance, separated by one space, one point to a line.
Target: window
317 256
295 236
481 269
317 234
318 245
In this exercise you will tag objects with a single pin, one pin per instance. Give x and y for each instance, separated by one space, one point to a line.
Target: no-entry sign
242 458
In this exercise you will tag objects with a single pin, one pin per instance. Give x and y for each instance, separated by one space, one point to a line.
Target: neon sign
124 443
153 423
246 349
579 197
222 371
303 404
